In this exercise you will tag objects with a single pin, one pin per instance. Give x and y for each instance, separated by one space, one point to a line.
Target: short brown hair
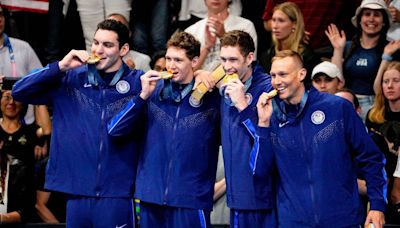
238 38
185 41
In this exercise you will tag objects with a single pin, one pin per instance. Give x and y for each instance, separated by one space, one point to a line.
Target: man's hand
149 82
202 76
73 59
264 110
235 91
375 217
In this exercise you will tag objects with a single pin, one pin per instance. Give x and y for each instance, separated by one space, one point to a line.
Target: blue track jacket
245 191
318 155
178 165
84 159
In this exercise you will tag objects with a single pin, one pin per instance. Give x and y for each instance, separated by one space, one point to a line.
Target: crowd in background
348 47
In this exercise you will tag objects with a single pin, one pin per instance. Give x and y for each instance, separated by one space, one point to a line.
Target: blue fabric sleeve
261 160
123 123
371 161
34 88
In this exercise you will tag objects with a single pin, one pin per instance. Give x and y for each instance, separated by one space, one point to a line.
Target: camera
8 83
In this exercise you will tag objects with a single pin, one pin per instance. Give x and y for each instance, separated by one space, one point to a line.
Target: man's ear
195 61
124 50
302 74
249 58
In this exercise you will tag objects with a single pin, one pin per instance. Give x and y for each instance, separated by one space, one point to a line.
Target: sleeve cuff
263 132
378 205
246 113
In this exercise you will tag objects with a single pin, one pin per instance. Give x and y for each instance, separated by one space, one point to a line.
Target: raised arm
35 87
389 50
122 123
338 41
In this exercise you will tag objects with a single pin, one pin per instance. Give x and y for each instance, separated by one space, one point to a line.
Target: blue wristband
386 57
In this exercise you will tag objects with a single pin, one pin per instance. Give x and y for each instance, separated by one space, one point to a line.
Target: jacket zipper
172 153
312 194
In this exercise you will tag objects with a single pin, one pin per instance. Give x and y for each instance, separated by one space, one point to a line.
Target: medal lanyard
247 84
94 77
7 44
169 92
280 110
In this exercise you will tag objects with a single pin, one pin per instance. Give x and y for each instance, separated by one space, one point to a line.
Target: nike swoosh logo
86 85
283 124
120 226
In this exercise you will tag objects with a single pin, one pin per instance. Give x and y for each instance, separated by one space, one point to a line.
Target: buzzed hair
186 42
238 38
288 53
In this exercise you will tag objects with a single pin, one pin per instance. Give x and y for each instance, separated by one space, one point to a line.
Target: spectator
17 58
133 59
288 34
93 11
18 142
210 30
326 77
384 121
298 128
157 63
220 213
50 205
96 172
191 11
317 14
350 96
358 59
175 180
395 197
150 25
394 30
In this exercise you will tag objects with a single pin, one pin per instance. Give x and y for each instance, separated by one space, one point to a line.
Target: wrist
387 57
263 123
144 96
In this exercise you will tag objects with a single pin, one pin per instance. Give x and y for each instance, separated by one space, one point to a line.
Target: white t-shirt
3 207
397 171
198 8
26 60
142 61
231 23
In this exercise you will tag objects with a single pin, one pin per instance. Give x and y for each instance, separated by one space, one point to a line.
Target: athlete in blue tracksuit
96 170
176 172
251 199
320 146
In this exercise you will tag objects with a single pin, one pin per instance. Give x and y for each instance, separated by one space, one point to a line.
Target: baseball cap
329 69
370 4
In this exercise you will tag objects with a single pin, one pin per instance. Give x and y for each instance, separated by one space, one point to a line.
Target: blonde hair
377 113
295 39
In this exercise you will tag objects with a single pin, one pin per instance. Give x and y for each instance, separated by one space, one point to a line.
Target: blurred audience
209 31
383 120
359 58
288 34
